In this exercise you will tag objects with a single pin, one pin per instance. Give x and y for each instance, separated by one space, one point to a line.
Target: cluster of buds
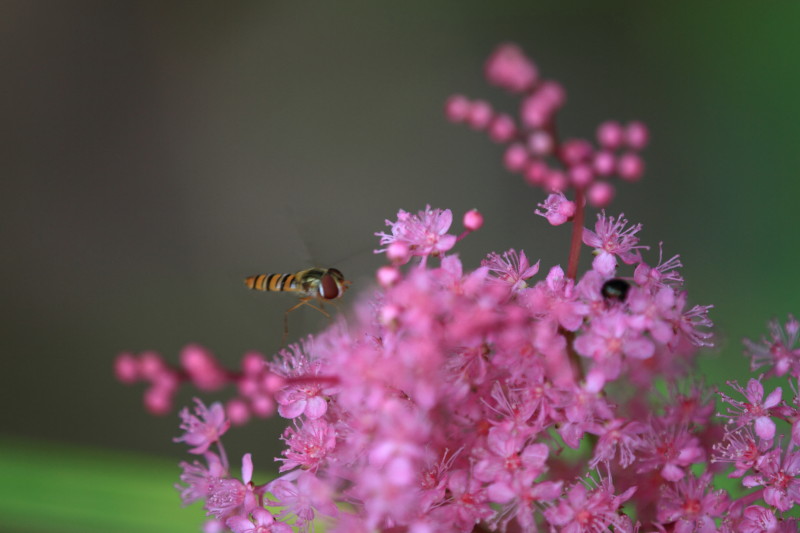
199 368
534 149
501 399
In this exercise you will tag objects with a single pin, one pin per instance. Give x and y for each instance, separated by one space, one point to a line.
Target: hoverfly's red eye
328 289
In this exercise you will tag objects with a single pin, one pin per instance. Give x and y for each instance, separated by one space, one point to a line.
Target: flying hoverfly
321 284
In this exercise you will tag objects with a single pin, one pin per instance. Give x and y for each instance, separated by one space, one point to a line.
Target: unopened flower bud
473 220
610 135
630 167
237 411
636 135
388 275
600 194
515 157
398 252
502 128
126 368
457 108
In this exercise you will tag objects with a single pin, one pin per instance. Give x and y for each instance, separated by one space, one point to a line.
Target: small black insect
615 289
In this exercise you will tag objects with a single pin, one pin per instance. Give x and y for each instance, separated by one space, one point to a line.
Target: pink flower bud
157 400
253 363
398 252
604 163
515 157
237 411
556 181
575 151
247 386
630 167
536 172
202 368
457 108
600 194
151 365
473 220
508 68
552 94
272 382
535 113
126 368
262 405
388 275
636 135
540 143
581 175
610 135
480 114
502 129
389 314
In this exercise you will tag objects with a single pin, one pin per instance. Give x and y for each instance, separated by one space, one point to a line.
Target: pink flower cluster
504 397
533 147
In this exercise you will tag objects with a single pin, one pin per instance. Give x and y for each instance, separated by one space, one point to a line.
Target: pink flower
779 478
758 409
756 519
610 238
617 435
200 479
307 396
778 351
511 268
301 494
584 510
556 299
608 339
204 428
694 318
671 449
469 502
425 233
508 462
691 505
556 209
664 273
228 496
740 448
308 445
262 522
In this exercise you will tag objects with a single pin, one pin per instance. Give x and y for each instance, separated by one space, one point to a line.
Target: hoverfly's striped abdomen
272 282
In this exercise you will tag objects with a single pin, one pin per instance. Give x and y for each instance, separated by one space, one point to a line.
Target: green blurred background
155 153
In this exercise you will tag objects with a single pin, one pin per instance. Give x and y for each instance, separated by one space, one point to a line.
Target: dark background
155 153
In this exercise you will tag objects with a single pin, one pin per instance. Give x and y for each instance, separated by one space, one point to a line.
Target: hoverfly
324 285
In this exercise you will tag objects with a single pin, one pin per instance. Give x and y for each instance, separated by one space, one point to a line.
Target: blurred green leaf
61 488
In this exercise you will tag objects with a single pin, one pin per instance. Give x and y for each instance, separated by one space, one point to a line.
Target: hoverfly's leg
335 305
286 319
302 302
318 308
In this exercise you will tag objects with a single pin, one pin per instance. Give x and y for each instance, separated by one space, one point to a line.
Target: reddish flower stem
747 499
572 272
577 235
